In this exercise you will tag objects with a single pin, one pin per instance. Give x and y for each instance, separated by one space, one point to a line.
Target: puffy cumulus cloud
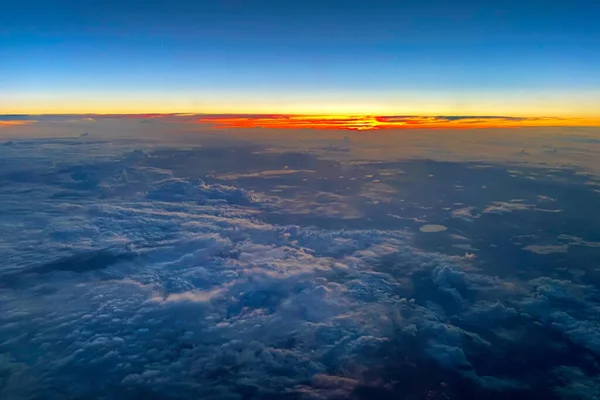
576 384
208 309
566 307
480 320
446 344
377 191
489 313
323 386
319 204
148 284
496 385
174 288
584 332
457 284
549 289
196 190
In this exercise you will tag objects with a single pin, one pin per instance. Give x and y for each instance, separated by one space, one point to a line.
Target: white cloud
465 213
503 207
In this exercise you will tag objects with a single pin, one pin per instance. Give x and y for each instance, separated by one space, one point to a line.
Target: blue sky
236 56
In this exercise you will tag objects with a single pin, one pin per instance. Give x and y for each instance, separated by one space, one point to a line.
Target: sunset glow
298 121
370 123
8 123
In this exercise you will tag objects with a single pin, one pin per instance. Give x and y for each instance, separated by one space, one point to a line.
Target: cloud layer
131 273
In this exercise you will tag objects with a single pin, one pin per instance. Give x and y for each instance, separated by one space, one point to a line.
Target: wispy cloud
5 123
16 120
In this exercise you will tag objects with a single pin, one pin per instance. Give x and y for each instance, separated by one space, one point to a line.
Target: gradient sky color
518 58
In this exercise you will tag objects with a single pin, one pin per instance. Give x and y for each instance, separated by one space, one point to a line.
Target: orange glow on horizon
370 123
316 122
15 122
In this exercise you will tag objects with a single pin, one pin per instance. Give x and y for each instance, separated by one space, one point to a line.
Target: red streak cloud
370 122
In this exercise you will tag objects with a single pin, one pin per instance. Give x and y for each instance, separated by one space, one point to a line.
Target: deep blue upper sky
235 55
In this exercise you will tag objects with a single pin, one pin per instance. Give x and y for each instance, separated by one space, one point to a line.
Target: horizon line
311 121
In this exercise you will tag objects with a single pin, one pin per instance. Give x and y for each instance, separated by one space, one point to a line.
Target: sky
510 58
